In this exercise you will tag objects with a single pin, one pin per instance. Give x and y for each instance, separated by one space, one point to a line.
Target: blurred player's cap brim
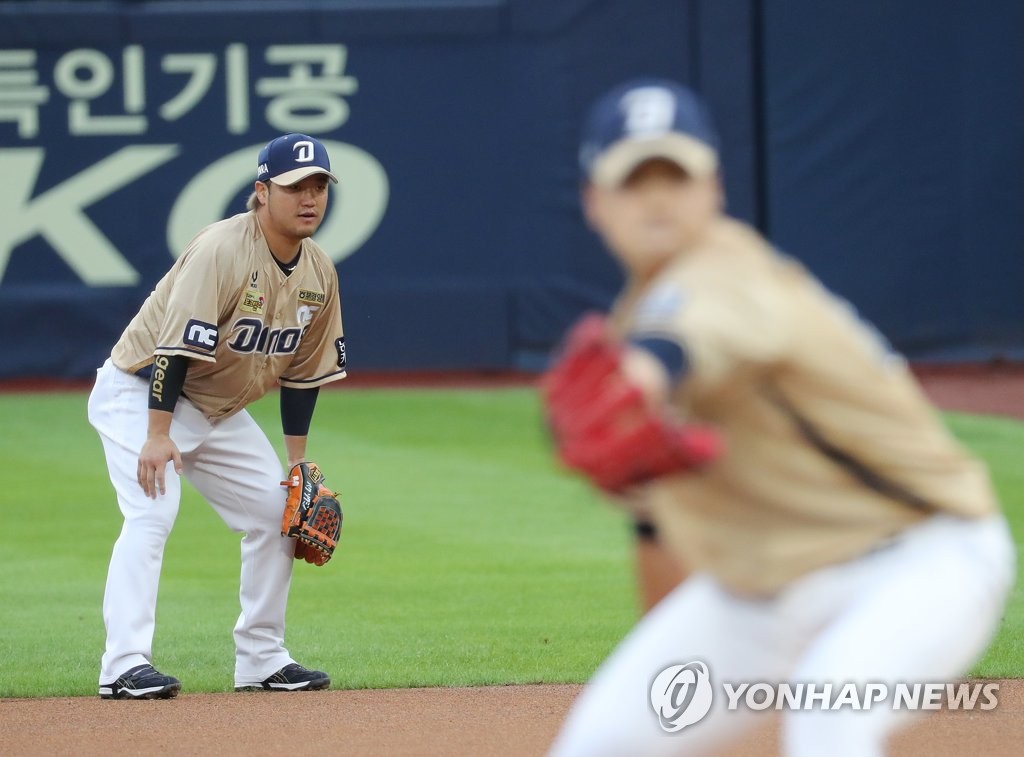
645 119
296 175
614 165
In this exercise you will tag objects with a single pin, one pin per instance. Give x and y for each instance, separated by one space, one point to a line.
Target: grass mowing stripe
467 557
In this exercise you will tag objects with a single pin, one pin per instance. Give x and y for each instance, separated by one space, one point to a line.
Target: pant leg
922 611
238 472
738 640
118 411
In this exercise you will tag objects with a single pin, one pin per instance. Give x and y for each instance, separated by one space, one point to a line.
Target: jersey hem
310 383
185 352
136 367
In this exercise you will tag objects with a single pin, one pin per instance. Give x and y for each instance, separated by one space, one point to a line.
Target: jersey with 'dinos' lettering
245 325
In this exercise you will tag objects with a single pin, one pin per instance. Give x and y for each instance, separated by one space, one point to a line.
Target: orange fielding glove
312 514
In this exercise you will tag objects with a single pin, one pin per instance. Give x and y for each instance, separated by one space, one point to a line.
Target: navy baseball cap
644 119
291 158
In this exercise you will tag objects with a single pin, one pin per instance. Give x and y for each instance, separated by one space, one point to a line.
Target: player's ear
720 191
590 204
262 190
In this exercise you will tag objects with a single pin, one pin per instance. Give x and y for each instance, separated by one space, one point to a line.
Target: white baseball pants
234 467
921 609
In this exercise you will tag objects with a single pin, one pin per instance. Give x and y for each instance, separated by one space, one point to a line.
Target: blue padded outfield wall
894 156
879 142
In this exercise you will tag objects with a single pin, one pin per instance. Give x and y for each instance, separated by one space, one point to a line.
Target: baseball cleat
141 682
292 677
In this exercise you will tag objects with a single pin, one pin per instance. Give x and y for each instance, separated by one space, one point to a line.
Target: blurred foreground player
835 530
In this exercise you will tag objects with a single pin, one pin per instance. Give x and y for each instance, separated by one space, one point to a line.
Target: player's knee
153 523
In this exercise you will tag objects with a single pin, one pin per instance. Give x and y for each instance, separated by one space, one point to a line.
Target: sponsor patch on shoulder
252 302
660 304
308 295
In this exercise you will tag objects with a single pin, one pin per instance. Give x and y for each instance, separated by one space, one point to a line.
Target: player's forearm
166 381
165 384
656 365
644 371
297 407
159 423
658 570
295 448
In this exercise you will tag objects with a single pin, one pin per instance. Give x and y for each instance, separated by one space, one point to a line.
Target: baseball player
251 304
835 531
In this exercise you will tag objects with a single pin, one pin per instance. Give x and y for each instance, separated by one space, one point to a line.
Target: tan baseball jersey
246 325
831 448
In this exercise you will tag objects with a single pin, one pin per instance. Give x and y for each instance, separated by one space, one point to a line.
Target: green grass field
467 556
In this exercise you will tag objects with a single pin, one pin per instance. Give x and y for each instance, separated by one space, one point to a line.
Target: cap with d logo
291 158
645 119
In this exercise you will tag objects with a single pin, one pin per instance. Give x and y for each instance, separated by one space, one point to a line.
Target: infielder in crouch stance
835 531
252 303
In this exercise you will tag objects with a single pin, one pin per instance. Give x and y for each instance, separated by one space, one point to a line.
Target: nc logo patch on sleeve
339 345
200 334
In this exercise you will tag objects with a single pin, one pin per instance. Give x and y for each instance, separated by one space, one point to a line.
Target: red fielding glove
603 425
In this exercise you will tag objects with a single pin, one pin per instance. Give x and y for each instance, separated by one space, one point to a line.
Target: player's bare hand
156 453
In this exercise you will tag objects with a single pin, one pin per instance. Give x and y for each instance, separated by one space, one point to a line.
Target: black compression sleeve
668 352
166 381
297 410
